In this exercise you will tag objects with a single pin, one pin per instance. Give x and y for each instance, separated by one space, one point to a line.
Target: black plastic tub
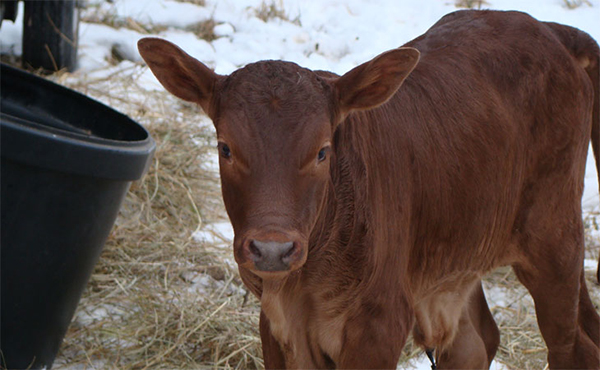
67 162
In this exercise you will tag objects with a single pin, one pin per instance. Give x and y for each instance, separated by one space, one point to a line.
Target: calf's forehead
267 97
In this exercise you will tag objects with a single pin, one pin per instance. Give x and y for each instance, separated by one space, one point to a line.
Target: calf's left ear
181 74
375 82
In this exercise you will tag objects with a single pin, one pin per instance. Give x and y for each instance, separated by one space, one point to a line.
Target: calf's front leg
272 353
374 339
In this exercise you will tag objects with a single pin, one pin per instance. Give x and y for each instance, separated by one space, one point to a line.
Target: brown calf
369 205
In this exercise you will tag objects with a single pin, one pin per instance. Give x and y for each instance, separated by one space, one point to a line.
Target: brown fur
434 175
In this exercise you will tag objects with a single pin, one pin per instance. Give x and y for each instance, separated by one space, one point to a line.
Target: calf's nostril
288 250
254 249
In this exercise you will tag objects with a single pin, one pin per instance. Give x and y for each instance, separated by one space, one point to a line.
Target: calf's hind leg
588 316
567 319
477 339
484 323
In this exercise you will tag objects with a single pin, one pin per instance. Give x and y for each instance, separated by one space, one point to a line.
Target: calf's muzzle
272 255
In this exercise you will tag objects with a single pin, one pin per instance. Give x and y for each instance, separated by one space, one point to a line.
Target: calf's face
274 132
275 123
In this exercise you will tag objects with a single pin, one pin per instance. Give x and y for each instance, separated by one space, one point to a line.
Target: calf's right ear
181 74
373 83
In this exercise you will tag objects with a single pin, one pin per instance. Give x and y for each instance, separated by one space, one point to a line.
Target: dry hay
470 4
160 298
144 306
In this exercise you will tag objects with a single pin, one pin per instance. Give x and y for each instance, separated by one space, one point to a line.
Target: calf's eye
224 150
322 154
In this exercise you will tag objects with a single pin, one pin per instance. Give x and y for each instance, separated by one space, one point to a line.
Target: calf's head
275 123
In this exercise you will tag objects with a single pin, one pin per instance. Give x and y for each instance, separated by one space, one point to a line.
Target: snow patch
90 315
219 233
422 363
590 265
203 285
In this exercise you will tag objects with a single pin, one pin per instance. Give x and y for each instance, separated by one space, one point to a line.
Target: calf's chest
309 336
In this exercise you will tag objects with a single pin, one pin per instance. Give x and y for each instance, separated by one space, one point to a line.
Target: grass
195 2
108 16
574 4
470 4
205 30
95 13
273 10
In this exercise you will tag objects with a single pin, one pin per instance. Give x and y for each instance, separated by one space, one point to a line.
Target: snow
201 285
590 265
157 12
219 234
101 312
11 34
92 365
100 42
423 363
334 35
